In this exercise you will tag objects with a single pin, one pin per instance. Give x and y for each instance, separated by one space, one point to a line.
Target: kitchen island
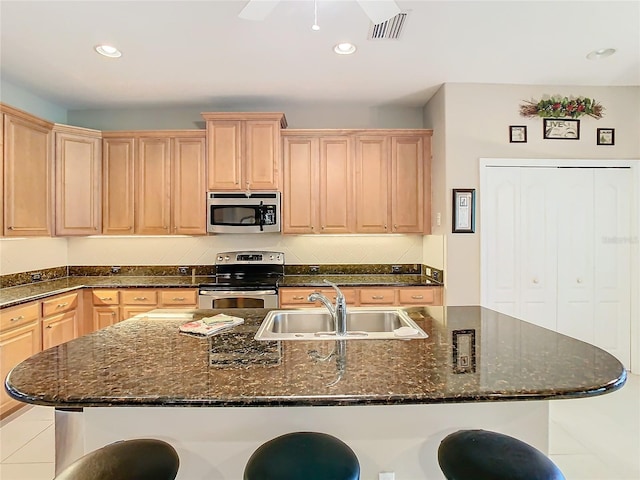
392 400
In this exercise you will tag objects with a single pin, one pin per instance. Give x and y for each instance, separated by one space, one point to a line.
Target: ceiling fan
377 10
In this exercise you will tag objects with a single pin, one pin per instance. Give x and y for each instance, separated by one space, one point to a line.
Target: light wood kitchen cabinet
373 171
356 181
153 186
178 297
300 190
318 187
135 301
118 188
296 297
28 174
376 296
78 193
160 177
59 320
188 186
243 150
393 182
106 307
407 184
20 338
1 173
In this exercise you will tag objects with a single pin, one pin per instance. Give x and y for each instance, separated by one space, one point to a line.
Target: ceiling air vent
389 29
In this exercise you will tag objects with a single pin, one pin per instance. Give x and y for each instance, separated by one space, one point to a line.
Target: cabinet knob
311 227
298 297
61 305
15 319
49 326
106 298
377 297
113 314
395 227
385 226
417 297
535 280
178 299
140 298
322 227
9 228
579 280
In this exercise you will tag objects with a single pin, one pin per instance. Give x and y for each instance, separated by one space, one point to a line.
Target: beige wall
299 115
19 255
476 125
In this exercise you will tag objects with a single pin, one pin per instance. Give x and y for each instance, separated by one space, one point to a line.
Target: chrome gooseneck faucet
338 313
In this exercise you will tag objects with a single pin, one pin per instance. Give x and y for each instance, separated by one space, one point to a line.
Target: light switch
438 219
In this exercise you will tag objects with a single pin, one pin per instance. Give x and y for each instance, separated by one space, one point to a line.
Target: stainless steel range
245 279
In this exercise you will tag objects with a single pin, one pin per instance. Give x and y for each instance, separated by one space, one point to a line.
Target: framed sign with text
464 205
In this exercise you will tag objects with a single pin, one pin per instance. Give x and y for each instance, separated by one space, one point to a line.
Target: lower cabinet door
15 346
58 329
105 317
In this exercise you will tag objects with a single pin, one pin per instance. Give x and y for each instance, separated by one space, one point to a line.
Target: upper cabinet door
261 166
118 199
28 177
189 186
407 184
300 196
224 155
336 185
372 184
153 186
78 192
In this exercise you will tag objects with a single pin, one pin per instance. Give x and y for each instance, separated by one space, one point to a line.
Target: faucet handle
340 296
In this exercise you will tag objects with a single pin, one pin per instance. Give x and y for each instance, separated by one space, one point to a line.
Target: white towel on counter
211 325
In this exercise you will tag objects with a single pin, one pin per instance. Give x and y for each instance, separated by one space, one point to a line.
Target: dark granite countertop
379 280
146 361
34 291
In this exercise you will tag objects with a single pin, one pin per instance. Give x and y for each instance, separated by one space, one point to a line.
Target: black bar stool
303 455
139 459
484 455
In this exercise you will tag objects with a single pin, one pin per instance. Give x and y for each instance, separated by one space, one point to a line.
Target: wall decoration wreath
562 107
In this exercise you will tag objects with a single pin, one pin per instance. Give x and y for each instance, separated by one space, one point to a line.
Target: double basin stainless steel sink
316 324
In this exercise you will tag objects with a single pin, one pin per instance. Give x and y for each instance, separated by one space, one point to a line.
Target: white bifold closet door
557 251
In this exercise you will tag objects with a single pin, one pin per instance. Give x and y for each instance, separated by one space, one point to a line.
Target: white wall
476 124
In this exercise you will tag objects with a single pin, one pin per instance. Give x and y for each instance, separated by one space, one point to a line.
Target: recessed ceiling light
602 53
108 51
344 48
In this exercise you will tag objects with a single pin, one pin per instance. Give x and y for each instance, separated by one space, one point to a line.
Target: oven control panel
253 258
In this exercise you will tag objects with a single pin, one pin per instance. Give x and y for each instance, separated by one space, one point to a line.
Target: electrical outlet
115 269
35 277
387 476
314 268
427 271
435 274
395 268
183 270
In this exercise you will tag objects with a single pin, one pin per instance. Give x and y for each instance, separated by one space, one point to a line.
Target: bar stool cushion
139 459
303 455
484 455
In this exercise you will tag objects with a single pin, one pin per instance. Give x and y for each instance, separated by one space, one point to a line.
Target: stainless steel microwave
238 212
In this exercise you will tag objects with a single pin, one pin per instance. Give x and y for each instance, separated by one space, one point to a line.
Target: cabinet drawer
298 296
60 304
16 316
177 296
105 297
416 296
377 296
139 297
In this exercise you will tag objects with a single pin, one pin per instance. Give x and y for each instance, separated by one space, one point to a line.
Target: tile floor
590 439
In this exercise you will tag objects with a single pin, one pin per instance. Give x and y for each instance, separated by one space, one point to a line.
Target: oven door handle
218 293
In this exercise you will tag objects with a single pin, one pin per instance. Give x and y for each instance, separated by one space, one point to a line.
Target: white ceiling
200 53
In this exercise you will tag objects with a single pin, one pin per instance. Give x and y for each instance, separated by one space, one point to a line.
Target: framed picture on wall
464 205
561 129
518 134
605 136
